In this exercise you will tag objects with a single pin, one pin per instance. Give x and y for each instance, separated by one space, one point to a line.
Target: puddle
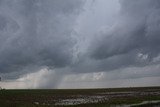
104 97
146 102
82 100
90 100
37 103
140 104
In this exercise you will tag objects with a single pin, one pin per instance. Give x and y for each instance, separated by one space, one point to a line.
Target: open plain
109 97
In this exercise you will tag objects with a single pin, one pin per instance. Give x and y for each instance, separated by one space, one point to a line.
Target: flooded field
113 97
104 97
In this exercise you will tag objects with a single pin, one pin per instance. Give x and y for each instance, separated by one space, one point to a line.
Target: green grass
28 97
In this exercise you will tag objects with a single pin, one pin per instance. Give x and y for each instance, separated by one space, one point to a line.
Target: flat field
109 97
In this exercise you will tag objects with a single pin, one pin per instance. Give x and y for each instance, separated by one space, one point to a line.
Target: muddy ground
78 97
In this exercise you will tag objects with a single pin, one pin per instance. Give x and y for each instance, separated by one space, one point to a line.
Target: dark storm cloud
134 39
75 43
38 33
35 33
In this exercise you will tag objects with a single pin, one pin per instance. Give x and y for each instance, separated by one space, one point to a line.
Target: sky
79 43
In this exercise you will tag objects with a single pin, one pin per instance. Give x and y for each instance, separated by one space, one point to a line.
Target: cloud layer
36 33
81 42
134 37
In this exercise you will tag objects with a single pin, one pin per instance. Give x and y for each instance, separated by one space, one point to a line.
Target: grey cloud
49 41
135 31
36 33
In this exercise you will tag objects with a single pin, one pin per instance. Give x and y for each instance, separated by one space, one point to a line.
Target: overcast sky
79 43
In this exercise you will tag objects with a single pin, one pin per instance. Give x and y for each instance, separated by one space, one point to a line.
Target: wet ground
107 97
117 97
